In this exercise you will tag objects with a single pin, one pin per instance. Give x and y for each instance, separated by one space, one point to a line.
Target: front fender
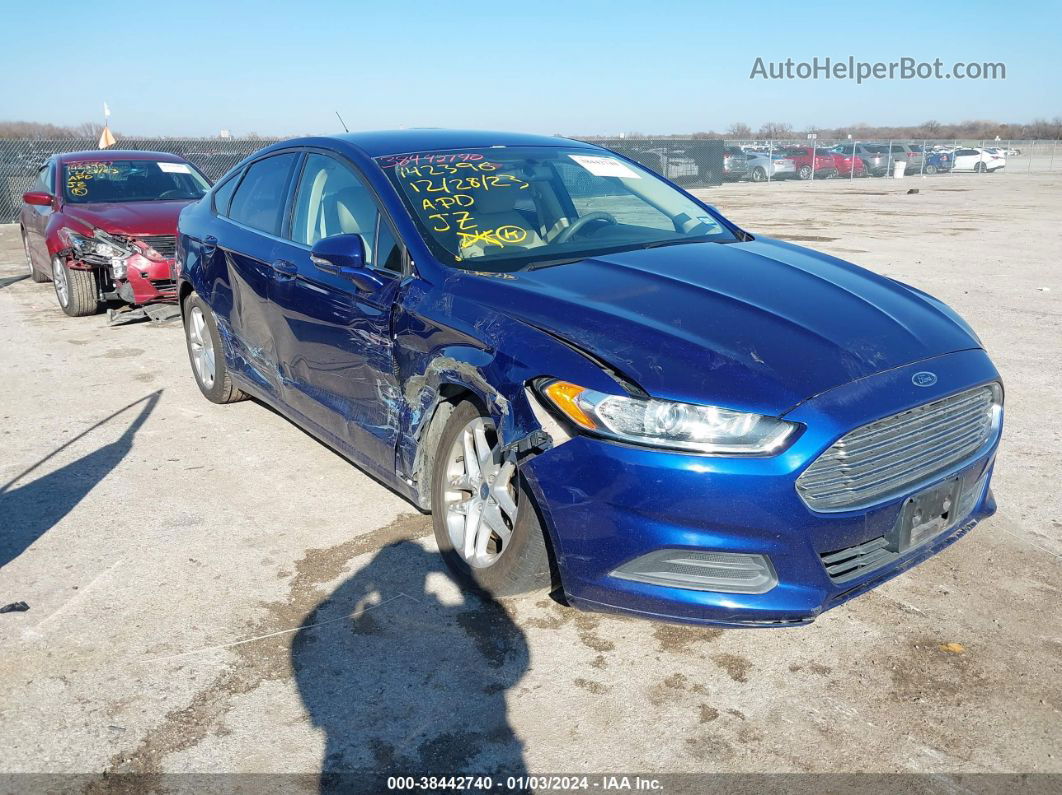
448 344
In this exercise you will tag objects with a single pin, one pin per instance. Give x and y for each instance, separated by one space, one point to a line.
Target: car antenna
342 122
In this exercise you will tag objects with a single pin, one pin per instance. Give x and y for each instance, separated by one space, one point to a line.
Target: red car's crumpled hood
129 218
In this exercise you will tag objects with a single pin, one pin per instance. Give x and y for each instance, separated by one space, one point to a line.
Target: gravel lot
213 590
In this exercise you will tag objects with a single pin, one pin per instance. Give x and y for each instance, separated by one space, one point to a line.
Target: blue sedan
590 378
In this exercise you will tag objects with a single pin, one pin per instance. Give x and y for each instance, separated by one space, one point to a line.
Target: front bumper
606 504
148 281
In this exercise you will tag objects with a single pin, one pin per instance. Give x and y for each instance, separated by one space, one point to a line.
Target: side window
43 178
332 200
223 194
259 201
388 251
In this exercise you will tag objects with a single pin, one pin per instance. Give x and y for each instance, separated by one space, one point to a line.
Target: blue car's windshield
507 208
102 180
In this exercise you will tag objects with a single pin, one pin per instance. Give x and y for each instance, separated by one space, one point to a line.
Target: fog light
726 572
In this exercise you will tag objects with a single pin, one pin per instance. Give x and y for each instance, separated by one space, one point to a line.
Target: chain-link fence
20 158
691 162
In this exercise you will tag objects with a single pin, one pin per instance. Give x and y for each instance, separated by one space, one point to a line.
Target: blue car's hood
761 325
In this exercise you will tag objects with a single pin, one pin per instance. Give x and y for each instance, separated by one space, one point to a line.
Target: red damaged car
102 226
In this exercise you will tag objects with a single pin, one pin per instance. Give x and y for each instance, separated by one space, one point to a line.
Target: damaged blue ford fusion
591 378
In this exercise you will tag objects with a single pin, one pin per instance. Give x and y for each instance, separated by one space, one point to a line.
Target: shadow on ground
31 510
407 675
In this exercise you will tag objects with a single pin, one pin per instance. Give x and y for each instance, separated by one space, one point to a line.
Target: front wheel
759 174
980 168
74 289
206 353
931 170
804 172
485 521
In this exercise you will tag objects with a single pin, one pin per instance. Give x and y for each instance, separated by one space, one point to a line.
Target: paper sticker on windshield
605 166
175 168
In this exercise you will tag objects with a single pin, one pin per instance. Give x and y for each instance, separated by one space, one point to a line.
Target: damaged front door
334 337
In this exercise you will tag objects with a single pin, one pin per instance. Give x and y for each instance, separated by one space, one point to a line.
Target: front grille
166 245
884 459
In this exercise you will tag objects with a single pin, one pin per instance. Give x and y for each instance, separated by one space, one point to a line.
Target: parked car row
879 160
589 377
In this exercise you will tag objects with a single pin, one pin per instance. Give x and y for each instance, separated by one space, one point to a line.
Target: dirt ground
213 590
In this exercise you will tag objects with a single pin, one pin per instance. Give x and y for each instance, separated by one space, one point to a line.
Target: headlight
667 424
100 245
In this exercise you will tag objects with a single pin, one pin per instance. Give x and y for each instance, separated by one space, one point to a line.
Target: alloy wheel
201 344
62 286
481 495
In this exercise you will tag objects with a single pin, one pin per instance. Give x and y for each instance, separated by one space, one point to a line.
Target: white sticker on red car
175 168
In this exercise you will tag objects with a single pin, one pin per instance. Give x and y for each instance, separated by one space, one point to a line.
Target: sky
580 67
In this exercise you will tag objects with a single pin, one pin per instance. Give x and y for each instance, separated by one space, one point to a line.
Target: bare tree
776 129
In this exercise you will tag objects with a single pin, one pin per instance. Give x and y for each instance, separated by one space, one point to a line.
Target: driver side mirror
344 256
39 198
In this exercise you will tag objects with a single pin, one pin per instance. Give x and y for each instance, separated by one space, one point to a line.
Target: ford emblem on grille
924 378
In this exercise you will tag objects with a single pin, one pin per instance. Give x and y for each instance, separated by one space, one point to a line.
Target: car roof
397 142
119 154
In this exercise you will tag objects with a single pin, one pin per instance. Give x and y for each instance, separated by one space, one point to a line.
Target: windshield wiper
677 242
549 263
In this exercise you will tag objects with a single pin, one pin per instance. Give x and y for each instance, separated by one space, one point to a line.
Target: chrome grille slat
888 425
911 429
952 437
877 461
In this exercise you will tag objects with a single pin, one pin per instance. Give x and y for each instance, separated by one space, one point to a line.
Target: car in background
101 225
846 164
621 393
905 153
811 161
875 157
763 166
977 160
937 162
735 163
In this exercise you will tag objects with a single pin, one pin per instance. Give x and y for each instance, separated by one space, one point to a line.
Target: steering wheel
567 233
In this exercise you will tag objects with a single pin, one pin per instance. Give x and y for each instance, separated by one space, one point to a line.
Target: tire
759 174
206 353
804 172
979 168
75 290
930 170
35 275
518 565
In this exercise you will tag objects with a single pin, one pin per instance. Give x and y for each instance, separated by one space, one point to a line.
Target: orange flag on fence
106 138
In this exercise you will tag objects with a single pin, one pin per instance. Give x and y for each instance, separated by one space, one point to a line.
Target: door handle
284 269
210 245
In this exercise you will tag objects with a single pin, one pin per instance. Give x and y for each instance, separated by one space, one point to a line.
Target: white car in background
978 160
762 166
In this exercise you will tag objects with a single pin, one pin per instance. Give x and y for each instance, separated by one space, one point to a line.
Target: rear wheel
484 518
931 169
75 289
980 168
206 354
804 172
33 272
759 174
